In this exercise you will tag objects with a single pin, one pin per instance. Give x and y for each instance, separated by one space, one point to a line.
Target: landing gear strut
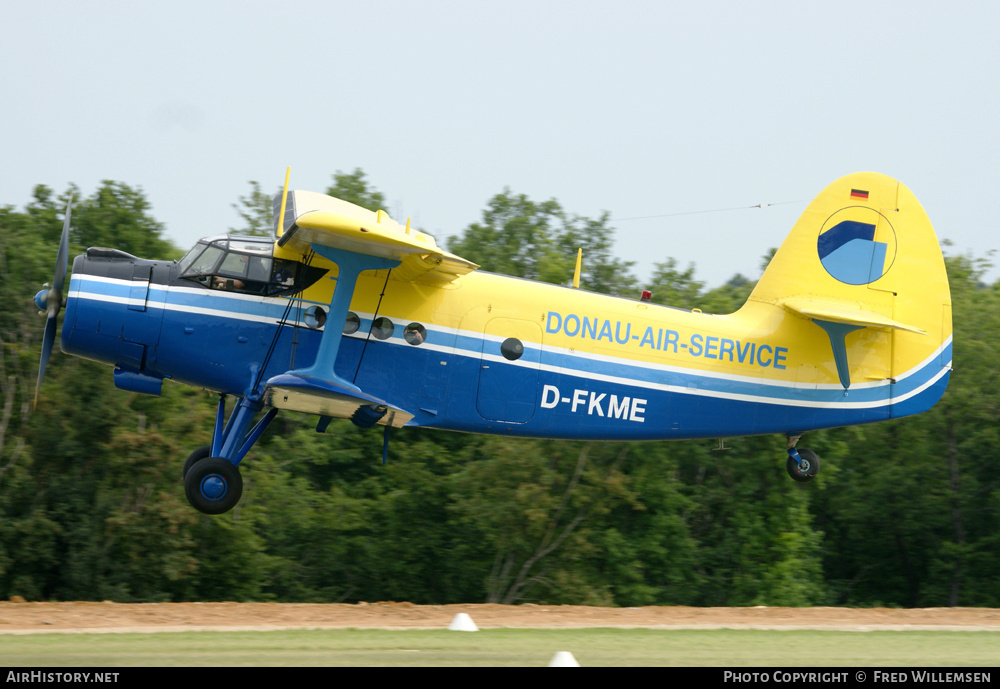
212 480
801 465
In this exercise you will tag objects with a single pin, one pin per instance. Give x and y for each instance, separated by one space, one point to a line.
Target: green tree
533 510
539 241
673 287
257 207
56 507
729 297
353 187
912 517
257 211
756 541
965 567
117 216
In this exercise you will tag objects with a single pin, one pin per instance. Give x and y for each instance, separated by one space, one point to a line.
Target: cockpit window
238 265
206 262
235 265
246 266
185 263
259 269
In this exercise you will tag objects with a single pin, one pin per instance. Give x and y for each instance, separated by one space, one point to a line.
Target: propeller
50 299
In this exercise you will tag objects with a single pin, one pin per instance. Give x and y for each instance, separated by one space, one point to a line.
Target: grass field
504 647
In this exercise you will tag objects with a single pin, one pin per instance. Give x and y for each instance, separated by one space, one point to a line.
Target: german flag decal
858 194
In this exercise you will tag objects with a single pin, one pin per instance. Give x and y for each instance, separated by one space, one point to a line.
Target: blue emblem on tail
849 253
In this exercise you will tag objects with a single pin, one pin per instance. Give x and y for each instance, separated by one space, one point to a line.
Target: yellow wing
313 218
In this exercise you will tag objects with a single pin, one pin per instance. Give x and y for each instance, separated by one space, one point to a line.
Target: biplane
345 313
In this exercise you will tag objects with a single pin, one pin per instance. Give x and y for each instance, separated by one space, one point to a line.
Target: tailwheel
213 485
805 469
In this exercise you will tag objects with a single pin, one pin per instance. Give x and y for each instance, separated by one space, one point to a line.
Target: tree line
905 513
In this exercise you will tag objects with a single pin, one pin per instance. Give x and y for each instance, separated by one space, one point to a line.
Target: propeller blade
47 342
53 300
62 258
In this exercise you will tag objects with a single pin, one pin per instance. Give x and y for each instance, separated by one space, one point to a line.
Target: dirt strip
29 618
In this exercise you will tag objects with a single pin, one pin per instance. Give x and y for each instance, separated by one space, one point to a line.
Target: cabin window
352 323
314 317
382 328
512 349
415 334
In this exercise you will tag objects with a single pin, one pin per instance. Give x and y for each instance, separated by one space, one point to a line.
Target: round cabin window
382 328
512 349
314 317
415 334
352 323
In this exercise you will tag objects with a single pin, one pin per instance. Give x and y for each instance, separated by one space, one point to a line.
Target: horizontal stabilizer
836 312
327 221
334 398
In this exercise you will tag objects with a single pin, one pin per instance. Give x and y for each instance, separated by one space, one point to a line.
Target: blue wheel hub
213 487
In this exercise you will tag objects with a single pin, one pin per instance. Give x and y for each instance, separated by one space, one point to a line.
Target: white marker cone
563 659
463 623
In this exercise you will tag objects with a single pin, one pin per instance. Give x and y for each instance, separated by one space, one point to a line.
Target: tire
807 470
213 485
196 456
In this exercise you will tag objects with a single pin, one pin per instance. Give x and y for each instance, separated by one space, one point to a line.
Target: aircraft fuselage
494 354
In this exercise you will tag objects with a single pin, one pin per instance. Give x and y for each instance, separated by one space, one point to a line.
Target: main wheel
213 485
806 470
196 456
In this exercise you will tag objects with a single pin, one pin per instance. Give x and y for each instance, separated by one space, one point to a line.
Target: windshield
238 265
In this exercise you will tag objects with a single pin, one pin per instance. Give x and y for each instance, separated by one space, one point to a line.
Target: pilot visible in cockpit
220 282
281 276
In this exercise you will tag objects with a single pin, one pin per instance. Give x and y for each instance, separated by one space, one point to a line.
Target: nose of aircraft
114 315
41 297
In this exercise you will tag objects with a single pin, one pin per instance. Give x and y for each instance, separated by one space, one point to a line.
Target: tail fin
864 265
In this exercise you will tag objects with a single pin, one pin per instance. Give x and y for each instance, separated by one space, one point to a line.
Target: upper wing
312 218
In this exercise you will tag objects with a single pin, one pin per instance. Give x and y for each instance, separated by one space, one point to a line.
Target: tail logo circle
857 245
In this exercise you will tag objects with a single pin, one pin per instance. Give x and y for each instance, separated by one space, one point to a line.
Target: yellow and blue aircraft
345 313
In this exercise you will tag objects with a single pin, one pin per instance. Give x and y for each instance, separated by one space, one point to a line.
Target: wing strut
350 265
318 389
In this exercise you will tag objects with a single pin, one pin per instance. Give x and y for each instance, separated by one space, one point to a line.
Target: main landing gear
212 480
213 485
801 465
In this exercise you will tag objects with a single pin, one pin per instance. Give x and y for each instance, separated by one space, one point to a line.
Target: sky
655 112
